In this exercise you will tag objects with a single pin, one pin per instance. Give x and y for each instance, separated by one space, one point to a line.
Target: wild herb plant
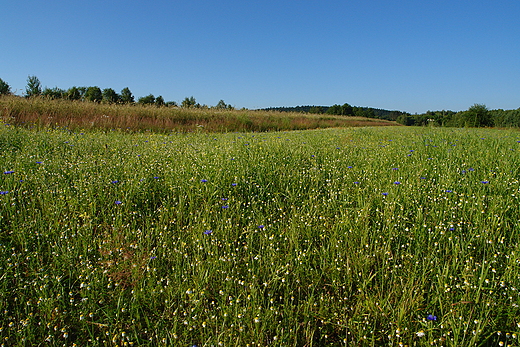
361 236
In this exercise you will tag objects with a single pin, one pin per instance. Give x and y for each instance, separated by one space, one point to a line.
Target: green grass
313 242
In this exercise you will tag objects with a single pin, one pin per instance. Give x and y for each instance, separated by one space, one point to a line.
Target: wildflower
115 182
224 199
448 191
225 207
431 317
484 182
203 180
384 194
233 184
118 202
356 182
153 257
395 168
8 172
349 167
397 182
420 333
39 162
4 192
261 226
207 232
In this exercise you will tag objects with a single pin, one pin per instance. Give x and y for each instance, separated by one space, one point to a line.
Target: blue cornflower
39 162
397 182
224 199
356 182
431 317
484 182
233 184
8 172
349 167
207 232
261 226
203 180
156 177
153 257
3 192
395 168
114 182
448 191
225 206
384 194
118 202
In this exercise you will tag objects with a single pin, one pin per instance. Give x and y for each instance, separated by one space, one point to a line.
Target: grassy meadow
383 236
41 113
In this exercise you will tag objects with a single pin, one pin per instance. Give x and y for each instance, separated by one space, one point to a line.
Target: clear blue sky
408 55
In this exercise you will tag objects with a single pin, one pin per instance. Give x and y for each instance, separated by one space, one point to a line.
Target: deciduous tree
126 96
93 94
5 89
188 102
146 100
110 96
34 87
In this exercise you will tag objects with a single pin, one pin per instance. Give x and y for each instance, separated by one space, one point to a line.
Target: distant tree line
343 110
477 115
98 95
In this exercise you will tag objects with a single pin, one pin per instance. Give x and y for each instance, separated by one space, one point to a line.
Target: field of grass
76 115
344 237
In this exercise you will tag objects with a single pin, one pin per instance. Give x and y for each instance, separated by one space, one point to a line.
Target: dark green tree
146 100
73 93
316 109
93 94
159 101
34 87
53 93
126 96
189 102
5 89
346 110
477 116
334 109
110 96
221 105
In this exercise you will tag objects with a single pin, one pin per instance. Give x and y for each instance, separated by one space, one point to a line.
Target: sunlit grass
42 113
362 236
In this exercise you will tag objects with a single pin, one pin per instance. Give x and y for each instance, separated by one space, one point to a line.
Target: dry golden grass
41 112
